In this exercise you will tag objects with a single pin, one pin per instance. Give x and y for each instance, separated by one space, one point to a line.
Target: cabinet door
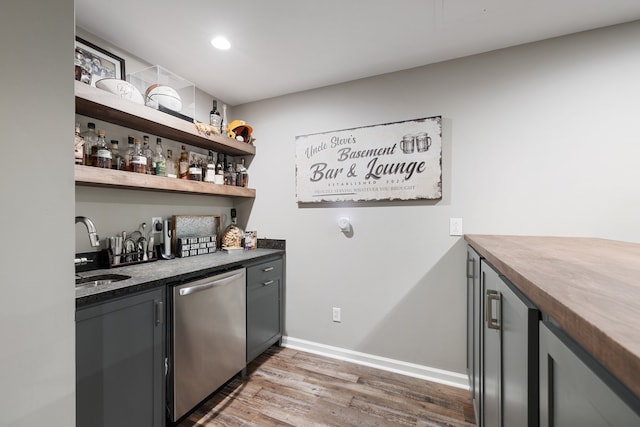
572 394
474 328
491 348
264 306
120 362
510 350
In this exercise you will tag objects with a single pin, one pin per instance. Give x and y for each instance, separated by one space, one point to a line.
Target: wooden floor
286 387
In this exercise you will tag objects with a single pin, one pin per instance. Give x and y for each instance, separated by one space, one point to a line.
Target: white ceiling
286 46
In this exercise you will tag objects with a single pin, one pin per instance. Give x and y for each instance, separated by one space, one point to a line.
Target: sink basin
99 280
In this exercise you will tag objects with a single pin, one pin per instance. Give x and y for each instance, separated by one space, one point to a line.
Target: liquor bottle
195 169
219 179
243 175
90 139
148 153
214 117
171 168
101 152
117 160
78 148
183 164
210 171
233 235
231 174
159 159
224 124
138 159
129 154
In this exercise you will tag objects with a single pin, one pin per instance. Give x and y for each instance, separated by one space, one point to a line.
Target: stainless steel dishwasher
208 338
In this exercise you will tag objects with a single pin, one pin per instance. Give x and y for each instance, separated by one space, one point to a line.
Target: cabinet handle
267 269
267 283
471 272
492 323
159 313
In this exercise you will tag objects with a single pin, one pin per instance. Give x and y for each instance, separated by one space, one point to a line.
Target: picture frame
93 63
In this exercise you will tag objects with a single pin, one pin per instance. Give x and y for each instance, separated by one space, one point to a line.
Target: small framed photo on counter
250 240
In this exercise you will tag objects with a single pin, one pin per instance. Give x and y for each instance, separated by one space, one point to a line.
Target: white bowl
122 88
163 95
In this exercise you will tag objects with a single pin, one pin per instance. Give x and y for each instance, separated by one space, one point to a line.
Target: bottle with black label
215 119
195 169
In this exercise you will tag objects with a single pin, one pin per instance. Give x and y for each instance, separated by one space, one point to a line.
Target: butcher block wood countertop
589 286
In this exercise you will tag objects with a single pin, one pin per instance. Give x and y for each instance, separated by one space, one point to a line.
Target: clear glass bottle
148 153
90 139
195 169
159 160
183 164
230 175
214 116
129 154
233 234
172 169
243 175
78 148
138 159
101 152
117 160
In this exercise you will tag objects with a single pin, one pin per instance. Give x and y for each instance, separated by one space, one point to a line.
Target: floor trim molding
411 369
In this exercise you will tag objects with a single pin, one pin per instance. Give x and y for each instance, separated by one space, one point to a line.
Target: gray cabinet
506 383
575 390
265 286
474 328
120 362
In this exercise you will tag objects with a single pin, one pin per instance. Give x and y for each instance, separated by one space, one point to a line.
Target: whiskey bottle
129 153
183 164
90 139
195 169
148 153
214 117
101 152
117 160
78 148
138 159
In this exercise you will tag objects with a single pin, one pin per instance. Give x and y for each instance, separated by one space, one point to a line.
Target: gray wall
538 139
37 330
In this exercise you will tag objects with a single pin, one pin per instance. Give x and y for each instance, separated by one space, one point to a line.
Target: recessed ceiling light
220 43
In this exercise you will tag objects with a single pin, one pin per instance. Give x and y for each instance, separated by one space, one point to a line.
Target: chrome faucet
91 228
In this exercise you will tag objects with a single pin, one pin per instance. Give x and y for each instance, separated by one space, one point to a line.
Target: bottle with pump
214 117
159 159
242 175
101 152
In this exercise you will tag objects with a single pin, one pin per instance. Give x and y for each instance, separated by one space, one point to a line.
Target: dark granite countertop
162 272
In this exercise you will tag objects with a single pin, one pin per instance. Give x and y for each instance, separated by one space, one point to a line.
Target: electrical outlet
336 314
455 226
156 220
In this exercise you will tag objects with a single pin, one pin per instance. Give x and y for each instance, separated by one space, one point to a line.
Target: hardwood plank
285 387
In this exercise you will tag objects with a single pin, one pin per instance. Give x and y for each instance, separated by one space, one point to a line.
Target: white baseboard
410 369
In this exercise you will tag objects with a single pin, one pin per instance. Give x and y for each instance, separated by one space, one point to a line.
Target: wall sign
394 161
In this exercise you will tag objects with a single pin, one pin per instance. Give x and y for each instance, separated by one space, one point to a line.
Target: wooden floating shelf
103 105
92 176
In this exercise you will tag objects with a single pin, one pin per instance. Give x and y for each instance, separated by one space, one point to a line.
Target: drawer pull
267 269
267 283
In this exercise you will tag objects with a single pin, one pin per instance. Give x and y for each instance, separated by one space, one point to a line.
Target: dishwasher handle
205 286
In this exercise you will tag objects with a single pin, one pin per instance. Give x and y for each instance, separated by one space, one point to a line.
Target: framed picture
93 63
